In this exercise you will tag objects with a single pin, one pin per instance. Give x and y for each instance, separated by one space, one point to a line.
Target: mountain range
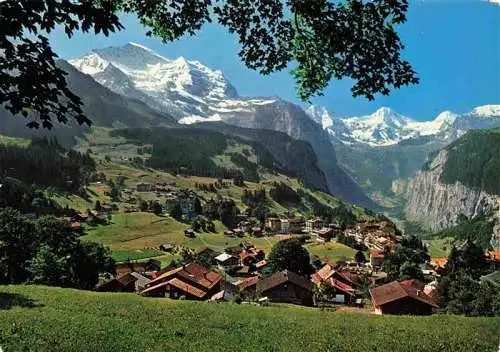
365 159
193 93
386 127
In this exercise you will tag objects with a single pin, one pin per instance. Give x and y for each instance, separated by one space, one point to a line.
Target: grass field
439 247
332 250
54 319
136 236
13 141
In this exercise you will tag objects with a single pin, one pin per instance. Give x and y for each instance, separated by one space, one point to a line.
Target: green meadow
54 319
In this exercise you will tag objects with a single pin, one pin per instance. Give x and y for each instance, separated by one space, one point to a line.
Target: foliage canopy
325 39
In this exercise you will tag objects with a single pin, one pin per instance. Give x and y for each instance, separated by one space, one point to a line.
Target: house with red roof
330 271
376 258
191 281
406 297
341 283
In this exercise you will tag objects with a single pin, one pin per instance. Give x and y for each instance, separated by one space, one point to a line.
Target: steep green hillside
474 160
207 152
296 156
54 319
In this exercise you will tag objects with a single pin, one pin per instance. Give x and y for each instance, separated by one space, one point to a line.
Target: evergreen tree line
460 289
224 210
46 251
282 193
45 162
28 199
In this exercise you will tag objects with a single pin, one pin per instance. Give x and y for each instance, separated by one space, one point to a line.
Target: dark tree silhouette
324 39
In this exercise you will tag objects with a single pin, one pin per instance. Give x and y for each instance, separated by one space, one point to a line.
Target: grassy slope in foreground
70 320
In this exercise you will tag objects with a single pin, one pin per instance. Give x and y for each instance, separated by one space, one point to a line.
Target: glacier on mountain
179 87
386 127
191 92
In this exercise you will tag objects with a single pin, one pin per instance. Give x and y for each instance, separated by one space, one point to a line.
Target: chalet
132 209
75 226
247 245
401 298
167 247
143 187
296 225
286 287
130 282
228 293
259 266
256 231
245 226
190 233
244 271
331 271
494 258
324 234
376 258
227 261
313 224
205 251
273 224
137 267
248 287
191 281
80 217
229 233
238 232
284 225
343 293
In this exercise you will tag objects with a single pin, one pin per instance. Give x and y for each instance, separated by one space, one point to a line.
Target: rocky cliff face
438 205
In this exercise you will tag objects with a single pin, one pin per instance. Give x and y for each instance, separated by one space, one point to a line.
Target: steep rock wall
438 205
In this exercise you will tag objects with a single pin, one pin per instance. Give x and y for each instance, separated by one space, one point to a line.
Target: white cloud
494 1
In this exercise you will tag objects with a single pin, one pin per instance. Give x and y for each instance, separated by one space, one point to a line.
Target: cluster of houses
323 232
94 216
239 273
376 235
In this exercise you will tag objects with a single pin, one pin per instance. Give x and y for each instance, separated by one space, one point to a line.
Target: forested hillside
45 162
474 160
207 152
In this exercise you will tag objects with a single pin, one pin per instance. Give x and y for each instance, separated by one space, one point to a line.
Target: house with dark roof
402 298
324 234
129 282
248 287
191 281
287 287
137 267
226 261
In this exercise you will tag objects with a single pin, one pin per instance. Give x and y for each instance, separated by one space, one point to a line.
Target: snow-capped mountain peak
386 127
187 90
486 111
321 116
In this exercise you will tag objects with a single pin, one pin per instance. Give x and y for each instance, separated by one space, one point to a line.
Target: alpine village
146 206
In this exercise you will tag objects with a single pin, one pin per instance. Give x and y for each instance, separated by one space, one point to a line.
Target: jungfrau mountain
185 89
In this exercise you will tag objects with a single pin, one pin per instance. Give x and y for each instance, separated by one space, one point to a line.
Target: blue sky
454 45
